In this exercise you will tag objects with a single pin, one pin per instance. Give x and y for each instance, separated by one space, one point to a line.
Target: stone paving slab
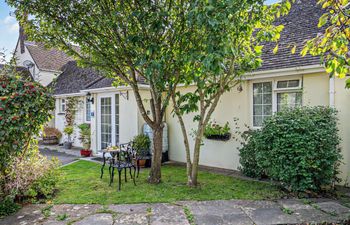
222 212
167 214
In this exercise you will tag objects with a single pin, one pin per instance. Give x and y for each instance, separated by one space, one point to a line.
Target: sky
9 28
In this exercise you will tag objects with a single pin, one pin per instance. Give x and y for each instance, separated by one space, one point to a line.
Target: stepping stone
131 219
333 208
96 219
28 215
266 216
312 216
219 212
130 208
294 204
167 214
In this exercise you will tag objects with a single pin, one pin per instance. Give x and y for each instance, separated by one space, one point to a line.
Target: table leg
138 168
120 178
103 165
125 175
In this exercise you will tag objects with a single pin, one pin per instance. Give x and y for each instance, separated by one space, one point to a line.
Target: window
62 105
87 110
288 100
262 102
117 119
274 96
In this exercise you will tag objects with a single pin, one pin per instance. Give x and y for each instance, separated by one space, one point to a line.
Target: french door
108 122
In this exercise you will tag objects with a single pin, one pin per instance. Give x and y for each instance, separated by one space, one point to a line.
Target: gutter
111 89
285 72
68 95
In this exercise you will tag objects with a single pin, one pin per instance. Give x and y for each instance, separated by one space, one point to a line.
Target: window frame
275 91
85 110
60 104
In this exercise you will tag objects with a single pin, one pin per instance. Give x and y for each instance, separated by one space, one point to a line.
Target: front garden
81 184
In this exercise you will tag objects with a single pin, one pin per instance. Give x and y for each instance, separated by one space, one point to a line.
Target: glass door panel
106 122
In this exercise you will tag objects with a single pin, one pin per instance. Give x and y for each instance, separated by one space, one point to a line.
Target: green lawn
81 184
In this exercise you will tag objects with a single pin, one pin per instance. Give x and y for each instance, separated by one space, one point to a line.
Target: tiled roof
47 59
300 25
73 79
102 82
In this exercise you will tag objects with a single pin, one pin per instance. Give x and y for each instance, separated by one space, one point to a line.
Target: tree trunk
196 153
155 173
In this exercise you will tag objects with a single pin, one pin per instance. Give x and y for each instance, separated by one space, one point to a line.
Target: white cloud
9 24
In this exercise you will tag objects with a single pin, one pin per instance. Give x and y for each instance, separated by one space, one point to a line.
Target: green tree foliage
130 41
227 42
333 44
24 108
297 147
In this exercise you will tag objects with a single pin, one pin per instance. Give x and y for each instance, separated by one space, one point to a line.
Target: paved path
320 211
64 158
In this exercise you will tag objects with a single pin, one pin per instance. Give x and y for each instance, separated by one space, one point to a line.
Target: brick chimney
22 35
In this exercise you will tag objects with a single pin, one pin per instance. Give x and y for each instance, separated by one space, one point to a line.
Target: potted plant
141 144
85 139
68 130
51 136
216 132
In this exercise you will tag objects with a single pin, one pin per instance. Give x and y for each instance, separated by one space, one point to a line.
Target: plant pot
67 145
85 152
224 137
53 140
142 163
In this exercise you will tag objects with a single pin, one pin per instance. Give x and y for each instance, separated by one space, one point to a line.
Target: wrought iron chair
123 160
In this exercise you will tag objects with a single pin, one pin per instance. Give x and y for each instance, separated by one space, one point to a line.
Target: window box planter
224 137
85 152
53 140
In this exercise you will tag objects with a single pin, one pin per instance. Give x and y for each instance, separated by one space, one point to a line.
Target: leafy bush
52 132
24 107
214 129
8 206
85 134
248 154
32 176
297 147
142 143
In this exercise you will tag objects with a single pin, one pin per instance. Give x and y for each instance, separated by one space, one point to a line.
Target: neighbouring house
44 64
284 80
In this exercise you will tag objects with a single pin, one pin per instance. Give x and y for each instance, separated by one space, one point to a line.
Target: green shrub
142 144
24 107
8 206
248 160
297 147
33 176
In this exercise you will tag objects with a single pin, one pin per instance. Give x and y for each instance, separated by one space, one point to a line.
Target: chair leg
125 175
130 173
111 181
120 179
103 165
138 168
134 175
110 171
